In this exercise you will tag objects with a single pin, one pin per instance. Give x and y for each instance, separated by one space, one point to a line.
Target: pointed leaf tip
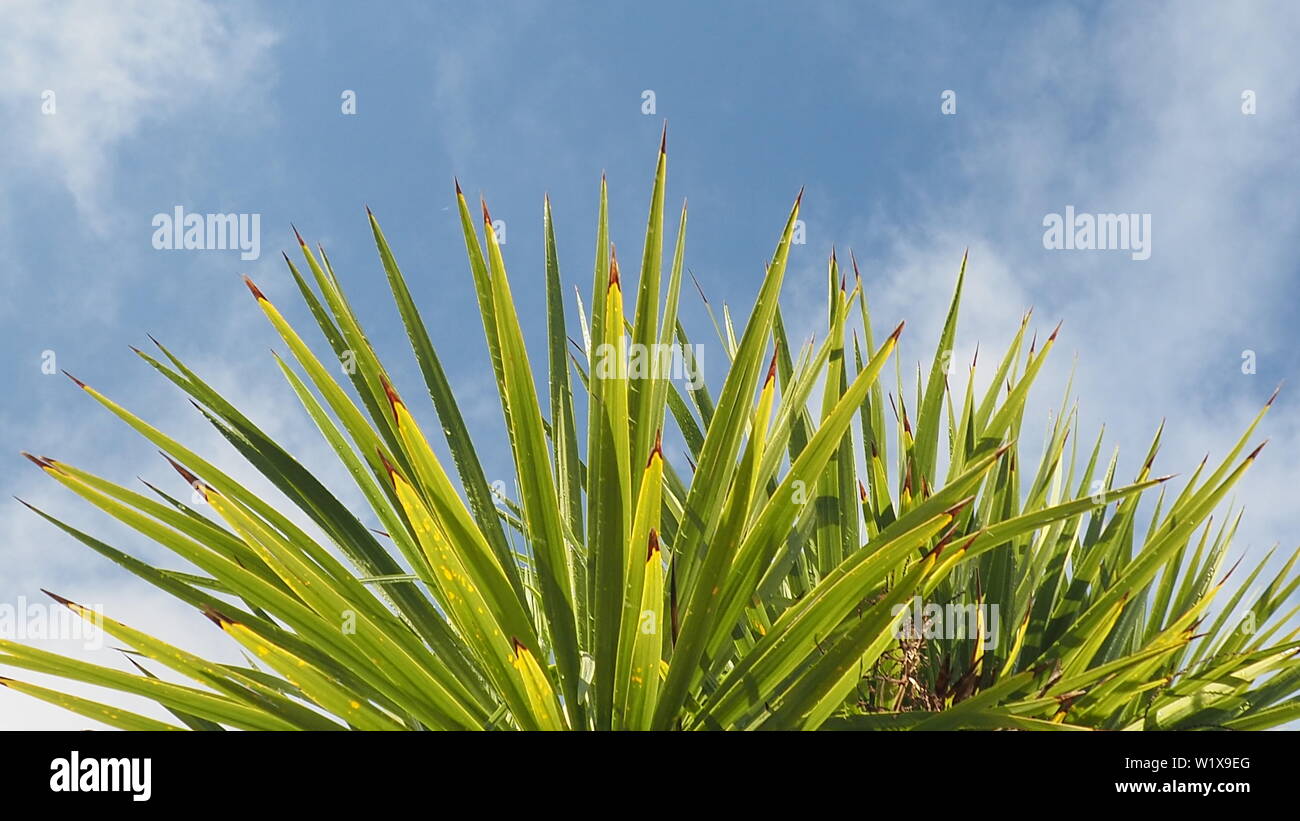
898 331
1055 331
256 291
698 287
215 617
653 547
663 139
1276 391
1226 576
388 466
457 182
80 384
1256 451
393 399
189 478
658 449
65 602
613 268
487 218
771 367
937 550
296 234
956 508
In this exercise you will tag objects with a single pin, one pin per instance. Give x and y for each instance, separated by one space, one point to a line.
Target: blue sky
1109 107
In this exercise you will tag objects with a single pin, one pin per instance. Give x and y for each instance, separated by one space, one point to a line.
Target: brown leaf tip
938 549
653 547
39 461
517 646
257 292
458 191
897 331
1276 391
658 449
296 234
487 218
388 466
613 268
190 478
1256 451
956 508
663 139
80 384
1226 576
65 602
1056 331
393 399
215 617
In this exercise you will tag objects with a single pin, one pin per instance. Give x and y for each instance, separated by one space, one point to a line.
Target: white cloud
115 69
1133 109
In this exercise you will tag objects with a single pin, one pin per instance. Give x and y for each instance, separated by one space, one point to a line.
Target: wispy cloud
86 82
1128 109
83 77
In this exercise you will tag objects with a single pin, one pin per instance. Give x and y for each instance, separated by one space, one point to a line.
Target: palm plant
765 588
